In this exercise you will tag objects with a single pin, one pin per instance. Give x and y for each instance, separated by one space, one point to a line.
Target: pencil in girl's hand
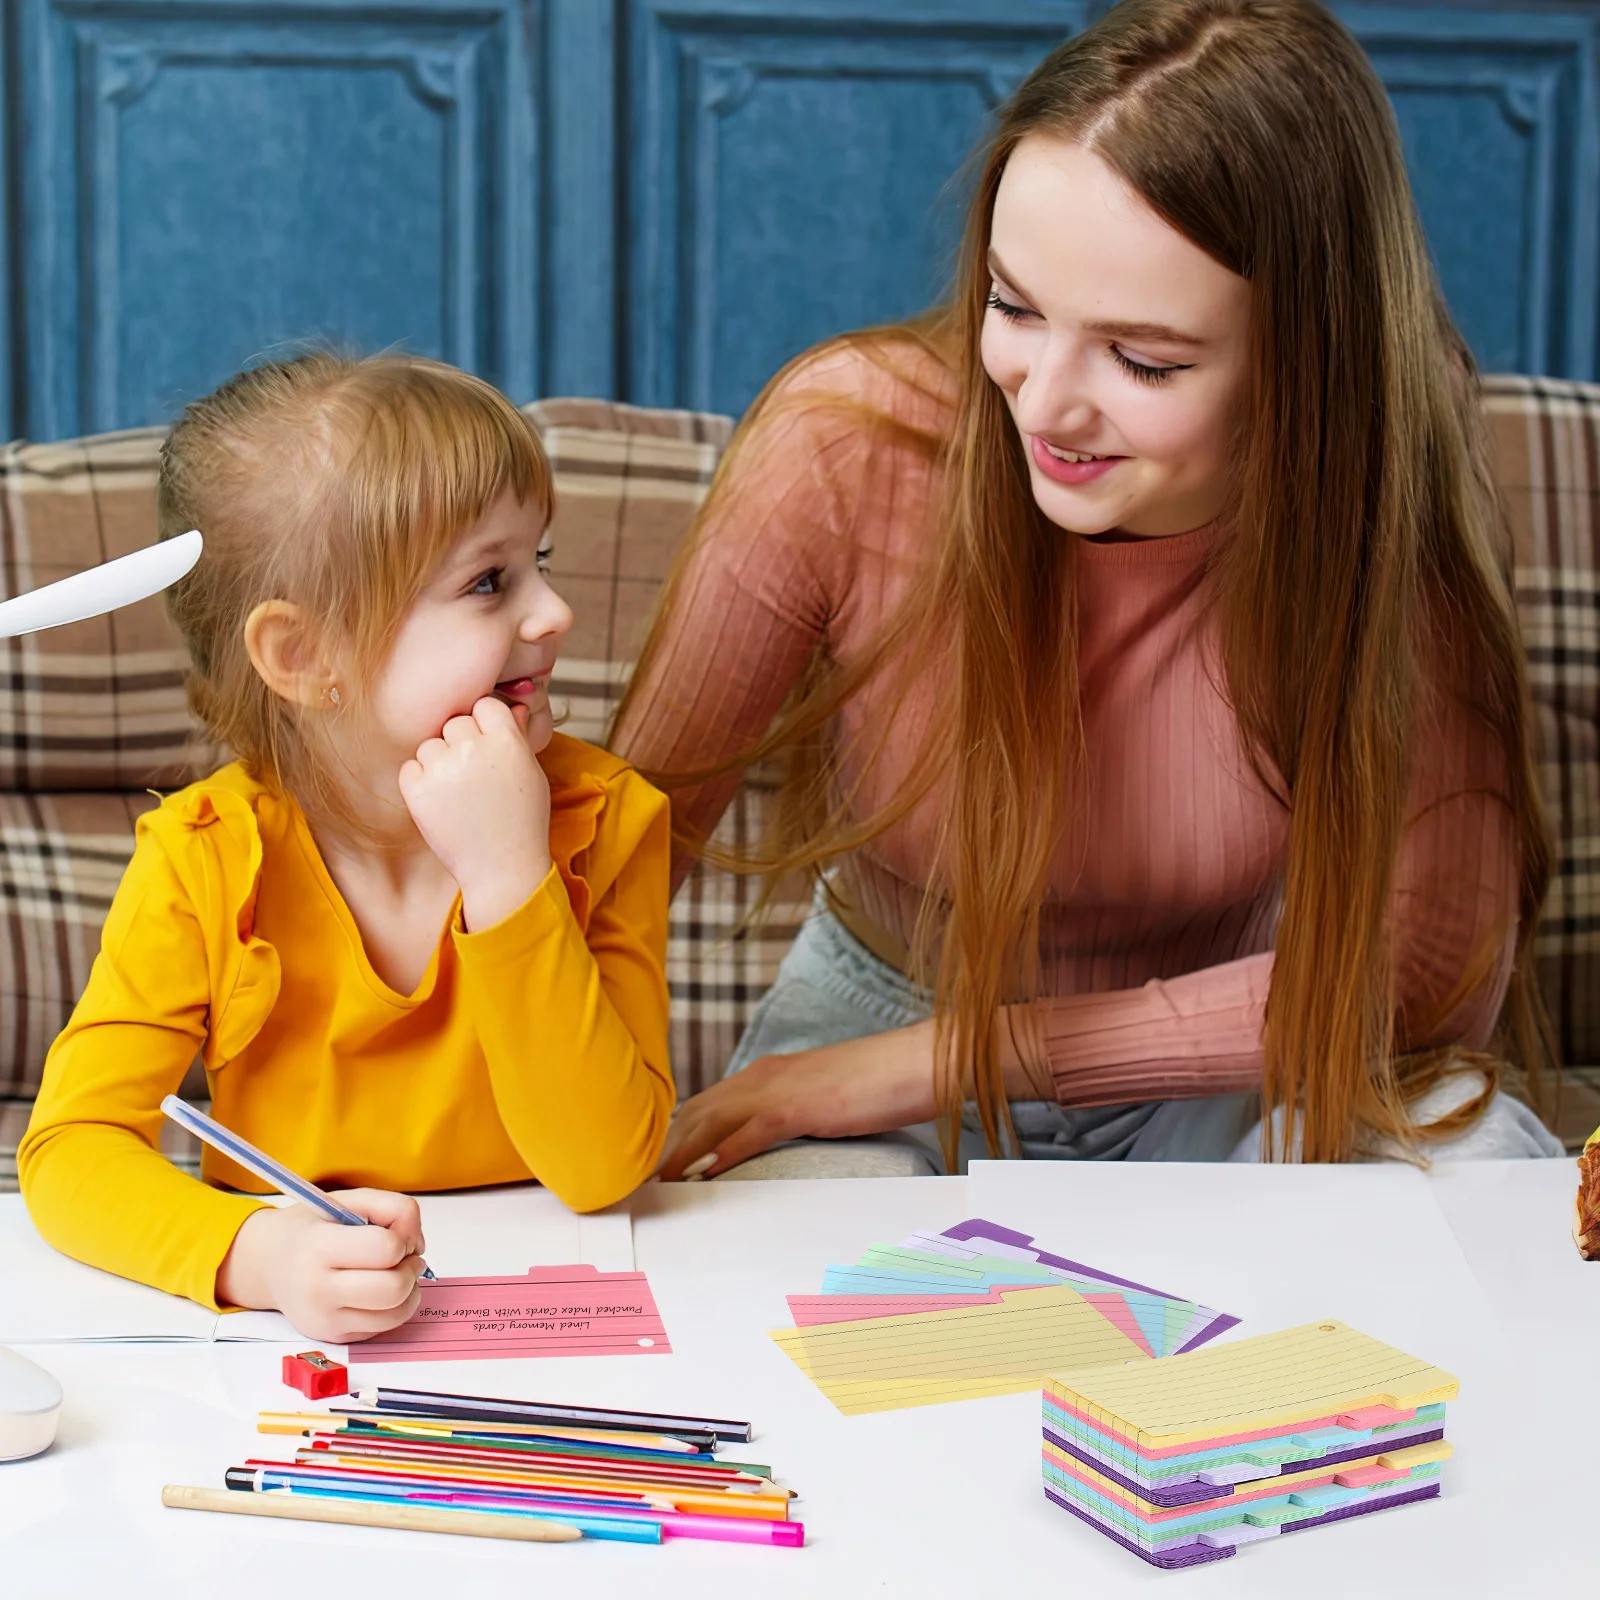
264 1167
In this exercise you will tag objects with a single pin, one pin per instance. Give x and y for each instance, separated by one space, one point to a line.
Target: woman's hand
862 1086
481 802
331 1280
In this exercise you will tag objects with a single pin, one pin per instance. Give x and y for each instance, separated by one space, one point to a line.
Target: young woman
1154 697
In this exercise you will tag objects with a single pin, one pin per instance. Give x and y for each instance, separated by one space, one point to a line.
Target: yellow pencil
366 1514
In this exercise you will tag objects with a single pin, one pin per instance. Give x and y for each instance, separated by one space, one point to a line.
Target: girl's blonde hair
335 483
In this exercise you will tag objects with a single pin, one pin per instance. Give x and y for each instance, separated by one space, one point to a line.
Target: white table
944 1500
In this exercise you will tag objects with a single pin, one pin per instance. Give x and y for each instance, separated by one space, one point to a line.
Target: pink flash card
808 1310
550 1312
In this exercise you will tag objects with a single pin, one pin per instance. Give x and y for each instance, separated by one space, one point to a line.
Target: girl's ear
287 654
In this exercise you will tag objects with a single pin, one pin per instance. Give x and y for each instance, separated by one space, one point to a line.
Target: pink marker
677 1524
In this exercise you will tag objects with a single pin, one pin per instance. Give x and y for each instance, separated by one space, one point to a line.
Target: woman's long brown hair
1365 568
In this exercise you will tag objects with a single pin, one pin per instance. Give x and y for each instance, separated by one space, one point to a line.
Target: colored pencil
677 1525
580 1470
524 1439
264 1166
249 1476
658 1444
477 1408
371 1473
433 1472
469 1453
722 1503
592 1524
369 1514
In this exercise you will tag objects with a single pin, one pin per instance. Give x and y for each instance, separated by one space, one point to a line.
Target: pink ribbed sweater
1158 927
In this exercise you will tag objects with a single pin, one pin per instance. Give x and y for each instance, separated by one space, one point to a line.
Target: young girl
1144 649
417 937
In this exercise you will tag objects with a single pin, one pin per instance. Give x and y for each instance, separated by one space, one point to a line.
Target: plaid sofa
92 716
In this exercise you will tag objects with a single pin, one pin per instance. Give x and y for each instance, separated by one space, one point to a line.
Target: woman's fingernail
698 1169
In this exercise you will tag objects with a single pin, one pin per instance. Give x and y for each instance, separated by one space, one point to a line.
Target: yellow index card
1419 1455
928 1357
1279 1379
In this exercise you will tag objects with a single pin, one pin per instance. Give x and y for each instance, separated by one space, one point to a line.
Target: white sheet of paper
1513 1221
525 1227
256 1327
47 1297
1274 1245
67 1301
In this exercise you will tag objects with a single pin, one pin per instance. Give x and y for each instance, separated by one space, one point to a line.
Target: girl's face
1120 346
486 623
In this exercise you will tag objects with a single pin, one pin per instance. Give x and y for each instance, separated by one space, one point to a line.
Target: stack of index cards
1183 1459
974 1311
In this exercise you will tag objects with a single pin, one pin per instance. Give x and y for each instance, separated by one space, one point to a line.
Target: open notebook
51 1299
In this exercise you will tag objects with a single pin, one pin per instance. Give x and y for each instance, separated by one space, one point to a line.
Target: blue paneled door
794 170
661 200
201 183
1498 114
789 168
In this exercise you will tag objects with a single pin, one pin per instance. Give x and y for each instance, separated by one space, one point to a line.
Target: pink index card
1115 1310
808 1310
549 1312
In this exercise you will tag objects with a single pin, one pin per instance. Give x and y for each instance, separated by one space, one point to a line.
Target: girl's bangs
432 450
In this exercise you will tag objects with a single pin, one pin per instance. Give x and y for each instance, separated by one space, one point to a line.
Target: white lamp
103 588
30 1398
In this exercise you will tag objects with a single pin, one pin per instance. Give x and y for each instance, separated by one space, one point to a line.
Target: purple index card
979 1228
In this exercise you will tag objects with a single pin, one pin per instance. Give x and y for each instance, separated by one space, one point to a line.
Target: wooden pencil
427 1402
364 1514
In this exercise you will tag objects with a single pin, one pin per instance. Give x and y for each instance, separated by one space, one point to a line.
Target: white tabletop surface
1471 1268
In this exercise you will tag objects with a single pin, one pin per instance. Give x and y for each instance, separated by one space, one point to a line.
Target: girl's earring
331 694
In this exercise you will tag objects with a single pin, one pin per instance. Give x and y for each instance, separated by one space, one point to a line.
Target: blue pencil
264 1167
626 1530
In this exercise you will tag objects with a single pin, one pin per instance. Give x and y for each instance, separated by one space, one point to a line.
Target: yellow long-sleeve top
536 1048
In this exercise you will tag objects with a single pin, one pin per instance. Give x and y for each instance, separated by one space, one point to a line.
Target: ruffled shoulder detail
578 792
215 830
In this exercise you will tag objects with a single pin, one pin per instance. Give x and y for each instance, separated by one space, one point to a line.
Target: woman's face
1120 346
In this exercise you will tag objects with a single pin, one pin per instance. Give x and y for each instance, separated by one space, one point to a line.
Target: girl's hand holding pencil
333 1283
481 802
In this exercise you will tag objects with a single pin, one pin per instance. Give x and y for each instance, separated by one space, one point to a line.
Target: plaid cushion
61 858
97 704
1546 437
100 707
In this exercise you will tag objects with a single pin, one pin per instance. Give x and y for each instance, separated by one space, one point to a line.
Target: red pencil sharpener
315 1376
